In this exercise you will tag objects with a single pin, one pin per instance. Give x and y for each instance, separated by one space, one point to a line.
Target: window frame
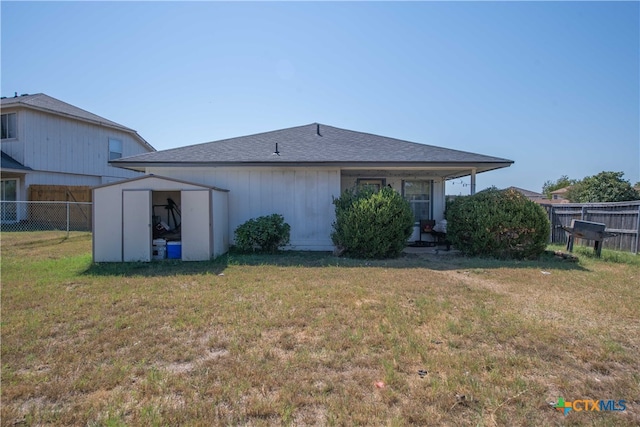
371 182
114 140
9 210
428 202
8 127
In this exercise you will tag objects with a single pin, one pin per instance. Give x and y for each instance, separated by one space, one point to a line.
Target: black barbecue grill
587 230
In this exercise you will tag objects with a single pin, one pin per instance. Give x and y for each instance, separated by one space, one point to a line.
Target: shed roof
310 145
163 178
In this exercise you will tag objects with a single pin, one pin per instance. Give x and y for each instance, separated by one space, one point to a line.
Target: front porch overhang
441 169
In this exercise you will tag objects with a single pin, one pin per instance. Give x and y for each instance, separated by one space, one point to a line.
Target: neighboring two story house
47 141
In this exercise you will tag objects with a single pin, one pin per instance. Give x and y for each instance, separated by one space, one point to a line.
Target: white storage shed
128 215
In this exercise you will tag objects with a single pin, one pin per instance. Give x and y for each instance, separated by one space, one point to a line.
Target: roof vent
276 153
318 129
15 94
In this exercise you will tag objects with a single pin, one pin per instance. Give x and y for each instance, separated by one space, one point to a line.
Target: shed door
196 225
136 225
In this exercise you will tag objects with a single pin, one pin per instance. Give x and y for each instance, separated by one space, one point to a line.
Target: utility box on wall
129 215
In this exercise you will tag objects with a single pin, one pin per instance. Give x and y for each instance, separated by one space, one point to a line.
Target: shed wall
220 225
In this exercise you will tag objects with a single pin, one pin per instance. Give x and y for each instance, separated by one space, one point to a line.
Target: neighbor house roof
561 191
9 163
527 193
48 104
313 144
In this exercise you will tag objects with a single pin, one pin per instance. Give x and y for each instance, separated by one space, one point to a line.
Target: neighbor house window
115 149
8 195
418 194
9 128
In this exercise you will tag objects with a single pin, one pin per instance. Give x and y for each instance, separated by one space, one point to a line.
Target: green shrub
498 223
372 224
266 233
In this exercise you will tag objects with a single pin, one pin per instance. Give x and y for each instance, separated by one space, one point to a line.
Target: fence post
551 223
67 219
638 232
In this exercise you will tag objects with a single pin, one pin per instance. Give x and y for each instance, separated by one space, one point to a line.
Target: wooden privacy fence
80 214
621 218
59 193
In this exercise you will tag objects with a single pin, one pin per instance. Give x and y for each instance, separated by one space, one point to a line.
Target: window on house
9 128
115 149
8 195
375 184
418 194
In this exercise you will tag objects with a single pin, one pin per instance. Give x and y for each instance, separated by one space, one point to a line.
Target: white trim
17 137
17 180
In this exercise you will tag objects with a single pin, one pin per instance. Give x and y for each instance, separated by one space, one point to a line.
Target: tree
549 186
603 187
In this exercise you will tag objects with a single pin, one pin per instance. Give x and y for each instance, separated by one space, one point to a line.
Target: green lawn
303 339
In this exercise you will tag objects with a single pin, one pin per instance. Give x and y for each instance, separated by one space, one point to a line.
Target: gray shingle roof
9 162
310 144
42 102
46 102
527 193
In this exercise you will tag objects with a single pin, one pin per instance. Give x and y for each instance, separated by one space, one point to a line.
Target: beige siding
57 144
302 195
64 151
54 178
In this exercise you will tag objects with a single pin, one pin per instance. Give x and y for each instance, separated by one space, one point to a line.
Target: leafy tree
549 186
603 187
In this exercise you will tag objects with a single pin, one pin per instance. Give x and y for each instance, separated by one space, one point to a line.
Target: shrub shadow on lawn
309 259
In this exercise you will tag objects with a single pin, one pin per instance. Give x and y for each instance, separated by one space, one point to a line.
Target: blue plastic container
174 250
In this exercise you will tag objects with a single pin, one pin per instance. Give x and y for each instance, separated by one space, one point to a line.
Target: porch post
473 181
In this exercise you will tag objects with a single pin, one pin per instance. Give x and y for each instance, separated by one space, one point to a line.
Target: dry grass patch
302 339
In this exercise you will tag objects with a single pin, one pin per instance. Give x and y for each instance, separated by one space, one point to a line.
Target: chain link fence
41 216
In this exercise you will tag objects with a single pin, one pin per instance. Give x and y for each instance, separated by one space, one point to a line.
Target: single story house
296 172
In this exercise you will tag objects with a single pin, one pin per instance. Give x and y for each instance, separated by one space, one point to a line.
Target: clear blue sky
553 86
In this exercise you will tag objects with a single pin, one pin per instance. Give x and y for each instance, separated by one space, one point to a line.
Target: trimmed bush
498 223
372 224
266 233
